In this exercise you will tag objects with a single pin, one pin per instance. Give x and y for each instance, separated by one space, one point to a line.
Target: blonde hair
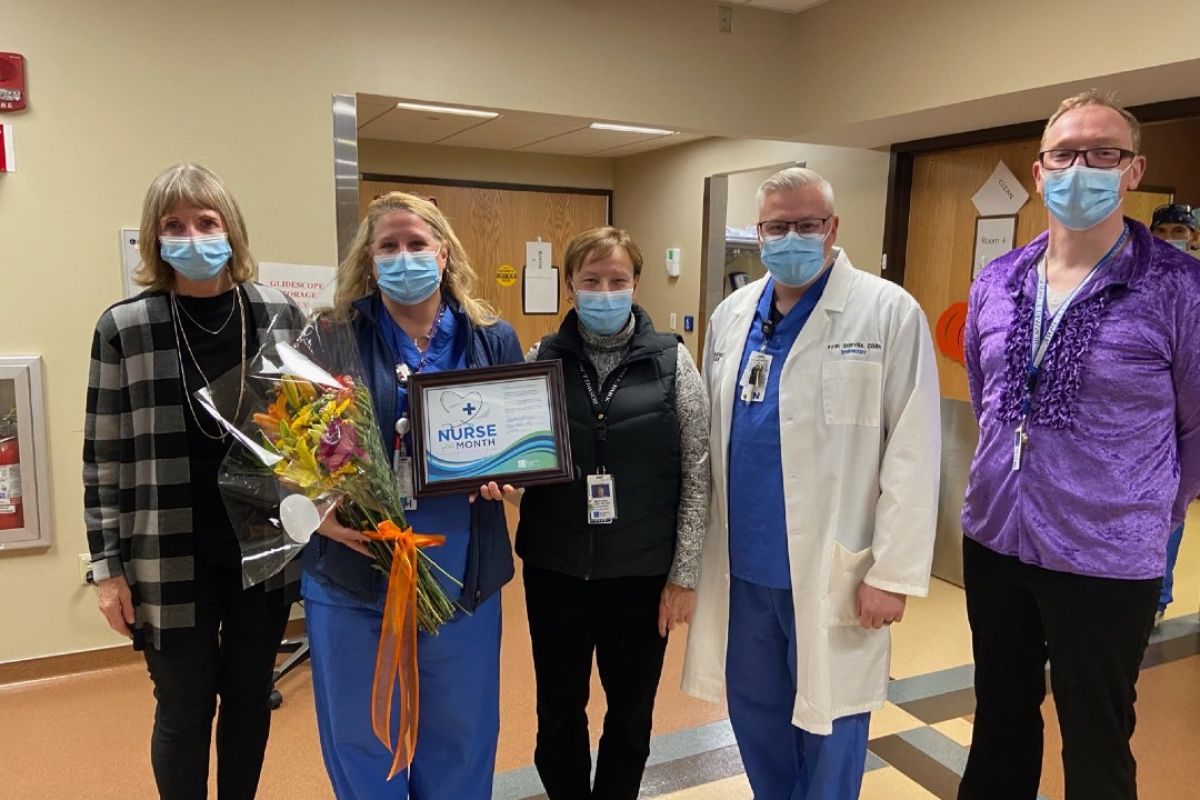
1095 97
597 243
356 273
794 178
190 185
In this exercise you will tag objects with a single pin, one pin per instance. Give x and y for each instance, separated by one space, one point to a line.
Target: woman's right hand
116 604
357 541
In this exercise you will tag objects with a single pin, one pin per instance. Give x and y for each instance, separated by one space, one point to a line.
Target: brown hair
597 243
356 273
191 185
1095 97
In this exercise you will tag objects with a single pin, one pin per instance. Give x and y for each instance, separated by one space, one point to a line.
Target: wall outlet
725 19
85 569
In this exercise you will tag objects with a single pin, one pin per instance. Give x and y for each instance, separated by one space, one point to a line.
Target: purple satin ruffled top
1113 451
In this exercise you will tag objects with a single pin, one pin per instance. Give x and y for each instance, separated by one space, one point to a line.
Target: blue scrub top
757 518
447 516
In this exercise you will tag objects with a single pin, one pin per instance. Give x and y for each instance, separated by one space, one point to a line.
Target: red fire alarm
12 82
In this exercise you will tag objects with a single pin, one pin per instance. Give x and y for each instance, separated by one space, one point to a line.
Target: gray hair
794 178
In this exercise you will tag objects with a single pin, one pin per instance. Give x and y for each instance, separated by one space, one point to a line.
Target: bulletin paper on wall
309 285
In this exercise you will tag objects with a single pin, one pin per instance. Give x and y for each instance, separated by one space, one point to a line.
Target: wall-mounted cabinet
24 455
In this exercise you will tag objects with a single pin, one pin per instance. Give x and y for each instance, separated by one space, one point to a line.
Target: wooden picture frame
506 424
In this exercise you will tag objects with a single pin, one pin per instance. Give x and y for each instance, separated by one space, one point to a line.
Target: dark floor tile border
942 707
927 771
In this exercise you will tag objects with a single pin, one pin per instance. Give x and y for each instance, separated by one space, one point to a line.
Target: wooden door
494 226
1140 205
941 230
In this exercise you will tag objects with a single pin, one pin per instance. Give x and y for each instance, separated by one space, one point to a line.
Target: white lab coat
860 434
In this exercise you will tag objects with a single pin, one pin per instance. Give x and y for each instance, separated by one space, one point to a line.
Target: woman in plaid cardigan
163 551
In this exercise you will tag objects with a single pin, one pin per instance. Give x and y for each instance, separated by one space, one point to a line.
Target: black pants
230 653
1094 632
617 618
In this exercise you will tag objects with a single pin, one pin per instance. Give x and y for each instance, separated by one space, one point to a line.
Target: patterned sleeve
102 452
691 406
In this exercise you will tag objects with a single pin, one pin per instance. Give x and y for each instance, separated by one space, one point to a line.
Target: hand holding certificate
506 424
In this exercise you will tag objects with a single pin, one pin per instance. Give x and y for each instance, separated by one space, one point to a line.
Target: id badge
602 499
402 471
755 377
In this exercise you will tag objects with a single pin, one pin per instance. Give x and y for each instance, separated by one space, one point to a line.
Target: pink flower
338 445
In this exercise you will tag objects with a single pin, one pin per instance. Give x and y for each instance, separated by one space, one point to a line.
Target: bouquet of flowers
311 446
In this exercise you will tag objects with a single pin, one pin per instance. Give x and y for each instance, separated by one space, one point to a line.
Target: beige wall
869 73
466 163
659 198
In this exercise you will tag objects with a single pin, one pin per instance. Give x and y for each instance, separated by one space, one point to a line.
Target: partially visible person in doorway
1175 224
405 286
164 553
1083 359
825 438
610 559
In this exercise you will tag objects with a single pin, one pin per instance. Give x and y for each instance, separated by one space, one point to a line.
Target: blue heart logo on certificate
462 408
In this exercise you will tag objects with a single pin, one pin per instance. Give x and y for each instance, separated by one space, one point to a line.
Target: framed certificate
506 424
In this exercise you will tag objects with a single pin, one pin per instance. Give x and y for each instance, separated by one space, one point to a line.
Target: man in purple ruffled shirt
1083 355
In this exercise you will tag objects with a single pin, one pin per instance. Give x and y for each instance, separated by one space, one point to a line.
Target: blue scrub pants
1165 597
459 672
782 761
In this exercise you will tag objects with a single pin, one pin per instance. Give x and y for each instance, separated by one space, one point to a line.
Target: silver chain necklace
233 304
181 344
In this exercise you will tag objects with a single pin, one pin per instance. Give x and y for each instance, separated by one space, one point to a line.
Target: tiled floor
87 735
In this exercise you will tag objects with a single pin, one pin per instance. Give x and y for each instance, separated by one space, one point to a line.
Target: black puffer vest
636 437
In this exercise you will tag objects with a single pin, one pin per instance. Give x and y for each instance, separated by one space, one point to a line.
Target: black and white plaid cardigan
136 474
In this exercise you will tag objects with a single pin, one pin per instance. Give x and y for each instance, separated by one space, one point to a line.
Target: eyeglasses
778 228
1100 157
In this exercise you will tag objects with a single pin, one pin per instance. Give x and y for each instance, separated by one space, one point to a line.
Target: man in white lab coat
825 440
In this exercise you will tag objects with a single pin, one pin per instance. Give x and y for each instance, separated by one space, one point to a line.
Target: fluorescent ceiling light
464 112
604 126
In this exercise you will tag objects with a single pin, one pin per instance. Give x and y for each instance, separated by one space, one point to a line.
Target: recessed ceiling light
464 112
604 126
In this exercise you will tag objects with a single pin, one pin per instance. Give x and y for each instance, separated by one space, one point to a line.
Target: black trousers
229 654
1094 632
617 619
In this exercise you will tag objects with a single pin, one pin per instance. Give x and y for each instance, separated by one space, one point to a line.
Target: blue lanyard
1039 345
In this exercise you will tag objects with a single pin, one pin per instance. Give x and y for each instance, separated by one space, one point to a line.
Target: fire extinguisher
11 513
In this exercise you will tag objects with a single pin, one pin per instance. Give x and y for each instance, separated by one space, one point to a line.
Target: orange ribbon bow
396 661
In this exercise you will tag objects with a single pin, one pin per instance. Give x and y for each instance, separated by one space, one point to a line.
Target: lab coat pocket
846 573
852 392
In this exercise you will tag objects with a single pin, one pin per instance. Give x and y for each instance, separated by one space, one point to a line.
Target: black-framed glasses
778 228
1098 157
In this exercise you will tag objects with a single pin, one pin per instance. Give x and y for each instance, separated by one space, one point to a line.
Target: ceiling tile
416 126
587 141
511 132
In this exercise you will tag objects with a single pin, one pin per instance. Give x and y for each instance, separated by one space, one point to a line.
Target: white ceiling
378 118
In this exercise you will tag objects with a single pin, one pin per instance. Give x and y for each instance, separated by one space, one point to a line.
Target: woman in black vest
611 559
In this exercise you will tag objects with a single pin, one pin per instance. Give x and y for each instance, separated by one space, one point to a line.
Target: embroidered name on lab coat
855 348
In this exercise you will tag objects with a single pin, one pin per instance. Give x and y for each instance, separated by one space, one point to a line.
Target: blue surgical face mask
1082 197
794 260
604 313
199 259
408 278
1178 244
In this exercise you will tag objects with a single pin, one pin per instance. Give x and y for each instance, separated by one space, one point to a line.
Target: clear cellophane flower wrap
309 445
